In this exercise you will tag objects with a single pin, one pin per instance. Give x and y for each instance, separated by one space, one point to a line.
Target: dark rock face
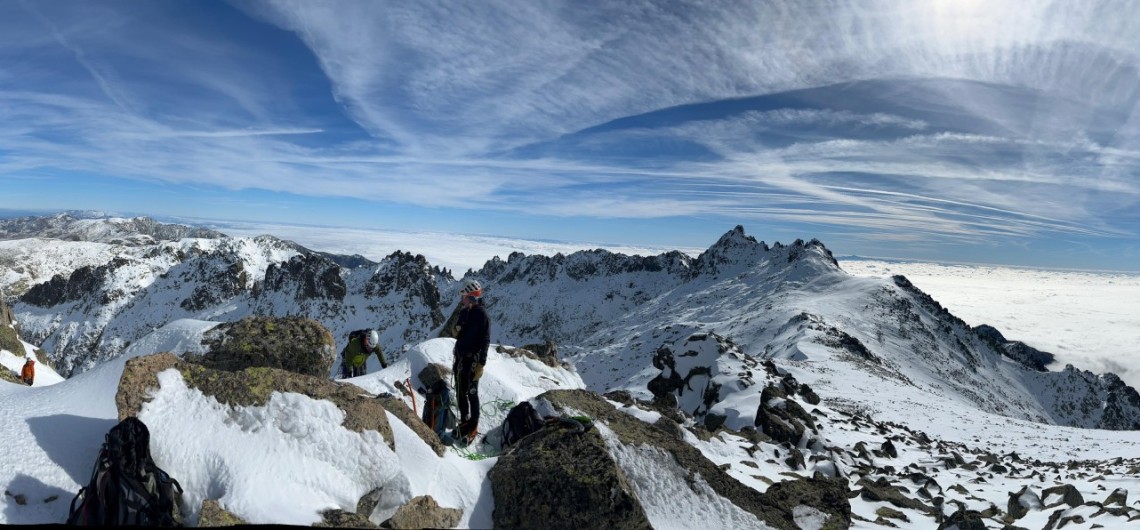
295 344
82 282
882 491
559 479
1122 405
1029 357
218 277
782 419
306 277
410 277
964 520
1069 495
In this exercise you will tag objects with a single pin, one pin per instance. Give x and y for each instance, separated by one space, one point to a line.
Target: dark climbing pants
467 391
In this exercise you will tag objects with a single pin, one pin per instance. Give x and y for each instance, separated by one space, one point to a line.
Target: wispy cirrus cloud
969 121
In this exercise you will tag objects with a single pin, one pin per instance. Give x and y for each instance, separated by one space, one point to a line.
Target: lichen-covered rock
10 340
212 514
424 512
249 388
559 479
343 519
295 344
6 316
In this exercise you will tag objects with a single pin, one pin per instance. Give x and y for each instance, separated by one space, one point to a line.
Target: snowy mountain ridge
609 313
97 227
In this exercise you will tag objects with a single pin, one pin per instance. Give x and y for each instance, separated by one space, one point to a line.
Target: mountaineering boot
460 433
470 432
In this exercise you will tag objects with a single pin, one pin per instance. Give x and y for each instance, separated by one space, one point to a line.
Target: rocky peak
735 251
307 277
408 276
1028 356
733 248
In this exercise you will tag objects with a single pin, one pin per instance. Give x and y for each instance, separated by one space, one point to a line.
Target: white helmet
371 339
472 288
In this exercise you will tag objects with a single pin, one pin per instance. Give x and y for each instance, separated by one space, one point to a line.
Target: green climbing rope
496 410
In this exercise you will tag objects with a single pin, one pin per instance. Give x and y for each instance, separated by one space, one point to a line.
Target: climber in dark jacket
471 343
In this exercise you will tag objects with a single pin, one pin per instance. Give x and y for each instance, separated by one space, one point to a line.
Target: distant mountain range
86 289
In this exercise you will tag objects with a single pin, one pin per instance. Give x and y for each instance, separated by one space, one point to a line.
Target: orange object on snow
413 393
28 374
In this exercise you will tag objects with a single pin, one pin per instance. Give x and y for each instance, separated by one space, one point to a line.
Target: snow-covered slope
609 313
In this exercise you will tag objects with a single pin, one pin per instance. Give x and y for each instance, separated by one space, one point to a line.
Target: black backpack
437 408
521 421
126 487
361 333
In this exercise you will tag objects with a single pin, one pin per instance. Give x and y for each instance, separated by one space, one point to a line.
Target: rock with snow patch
545 353
1118 497
964 519
1063 494
1022 502
826 495
251 387
555 478
781 418
881 490
698 372
636 435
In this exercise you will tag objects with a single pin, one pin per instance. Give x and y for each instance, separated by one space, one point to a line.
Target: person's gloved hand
478 372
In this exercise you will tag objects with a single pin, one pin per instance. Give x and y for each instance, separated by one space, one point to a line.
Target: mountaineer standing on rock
471 343
354 356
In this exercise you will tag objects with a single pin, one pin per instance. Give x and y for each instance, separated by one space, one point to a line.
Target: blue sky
942 130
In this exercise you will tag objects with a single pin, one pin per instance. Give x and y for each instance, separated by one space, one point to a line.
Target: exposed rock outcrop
423 512
249 387
631 432
295 344
212 514
553 479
